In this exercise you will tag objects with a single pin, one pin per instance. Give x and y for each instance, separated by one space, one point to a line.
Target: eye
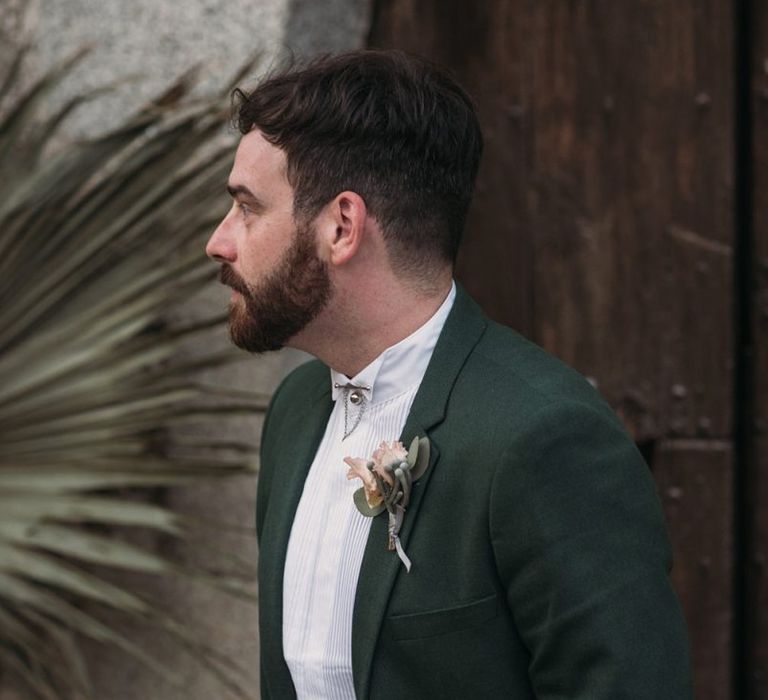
245 210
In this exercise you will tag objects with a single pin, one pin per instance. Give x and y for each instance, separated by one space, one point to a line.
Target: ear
343 228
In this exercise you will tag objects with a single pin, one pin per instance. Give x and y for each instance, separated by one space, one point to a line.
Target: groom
536 545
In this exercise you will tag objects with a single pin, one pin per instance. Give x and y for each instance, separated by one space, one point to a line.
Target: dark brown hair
396 129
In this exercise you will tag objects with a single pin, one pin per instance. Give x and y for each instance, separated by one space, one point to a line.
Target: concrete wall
156 40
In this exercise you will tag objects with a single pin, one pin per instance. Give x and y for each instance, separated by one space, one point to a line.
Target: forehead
259 163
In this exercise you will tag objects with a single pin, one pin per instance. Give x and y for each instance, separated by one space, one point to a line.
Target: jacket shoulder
511 367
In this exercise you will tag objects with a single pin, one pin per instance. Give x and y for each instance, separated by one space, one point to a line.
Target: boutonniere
387 478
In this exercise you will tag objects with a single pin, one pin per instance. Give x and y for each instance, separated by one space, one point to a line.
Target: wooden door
604 228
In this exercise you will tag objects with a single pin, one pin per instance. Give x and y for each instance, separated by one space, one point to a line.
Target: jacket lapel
380 567
304 429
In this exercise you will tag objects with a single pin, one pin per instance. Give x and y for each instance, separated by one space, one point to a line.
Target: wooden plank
695 480
756 478
633 208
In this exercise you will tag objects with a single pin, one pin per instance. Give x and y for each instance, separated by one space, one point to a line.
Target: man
535 541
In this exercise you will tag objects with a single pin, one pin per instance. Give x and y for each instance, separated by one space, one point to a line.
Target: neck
357 327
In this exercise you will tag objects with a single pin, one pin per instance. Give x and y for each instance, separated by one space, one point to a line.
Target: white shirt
329 534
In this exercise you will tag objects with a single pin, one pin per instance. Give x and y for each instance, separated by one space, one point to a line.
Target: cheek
254 266
256 261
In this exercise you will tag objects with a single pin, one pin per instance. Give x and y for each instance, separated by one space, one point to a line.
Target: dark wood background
621 221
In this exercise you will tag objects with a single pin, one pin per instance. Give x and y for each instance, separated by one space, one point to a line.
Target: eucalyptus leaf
363 507
413 452
422 461
404 478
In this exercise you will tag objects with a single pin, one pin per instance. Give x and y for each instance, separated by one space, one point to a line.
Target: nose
221 246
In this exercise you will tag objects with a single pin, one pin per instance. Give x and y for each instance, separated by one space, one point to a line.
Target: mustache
230 278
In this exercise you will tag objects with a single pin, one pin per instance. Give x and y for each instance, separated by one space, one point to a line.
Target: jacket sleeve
581 547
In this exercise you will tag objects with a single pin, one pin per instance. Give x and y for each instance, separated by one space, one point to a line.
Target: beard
283 304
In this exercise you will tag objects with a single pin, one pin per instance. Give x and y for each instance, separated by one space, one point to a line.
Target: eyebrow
242 191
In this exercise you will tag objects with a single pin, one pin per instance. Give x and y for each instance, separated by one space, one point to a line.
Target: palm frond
98 241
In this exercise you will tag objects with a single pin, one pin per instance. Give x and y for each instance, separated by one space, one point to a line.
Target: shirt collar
400 366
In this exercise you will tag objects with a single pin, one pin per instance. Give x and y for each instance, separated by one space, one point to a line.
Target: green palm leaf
98 241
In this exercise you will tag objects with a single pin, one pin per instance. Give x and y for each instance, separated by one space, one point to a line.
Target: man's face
279 283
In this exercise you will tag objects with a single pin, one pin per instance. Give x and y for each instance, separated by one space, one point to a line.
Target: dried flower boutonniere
387 480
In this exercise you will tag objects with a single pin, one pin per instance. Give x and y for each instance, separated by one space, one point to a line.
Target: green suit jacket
540 556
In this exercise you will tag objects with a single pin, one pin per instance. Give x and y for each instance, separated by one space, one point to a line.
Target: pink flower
389 454
358 469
